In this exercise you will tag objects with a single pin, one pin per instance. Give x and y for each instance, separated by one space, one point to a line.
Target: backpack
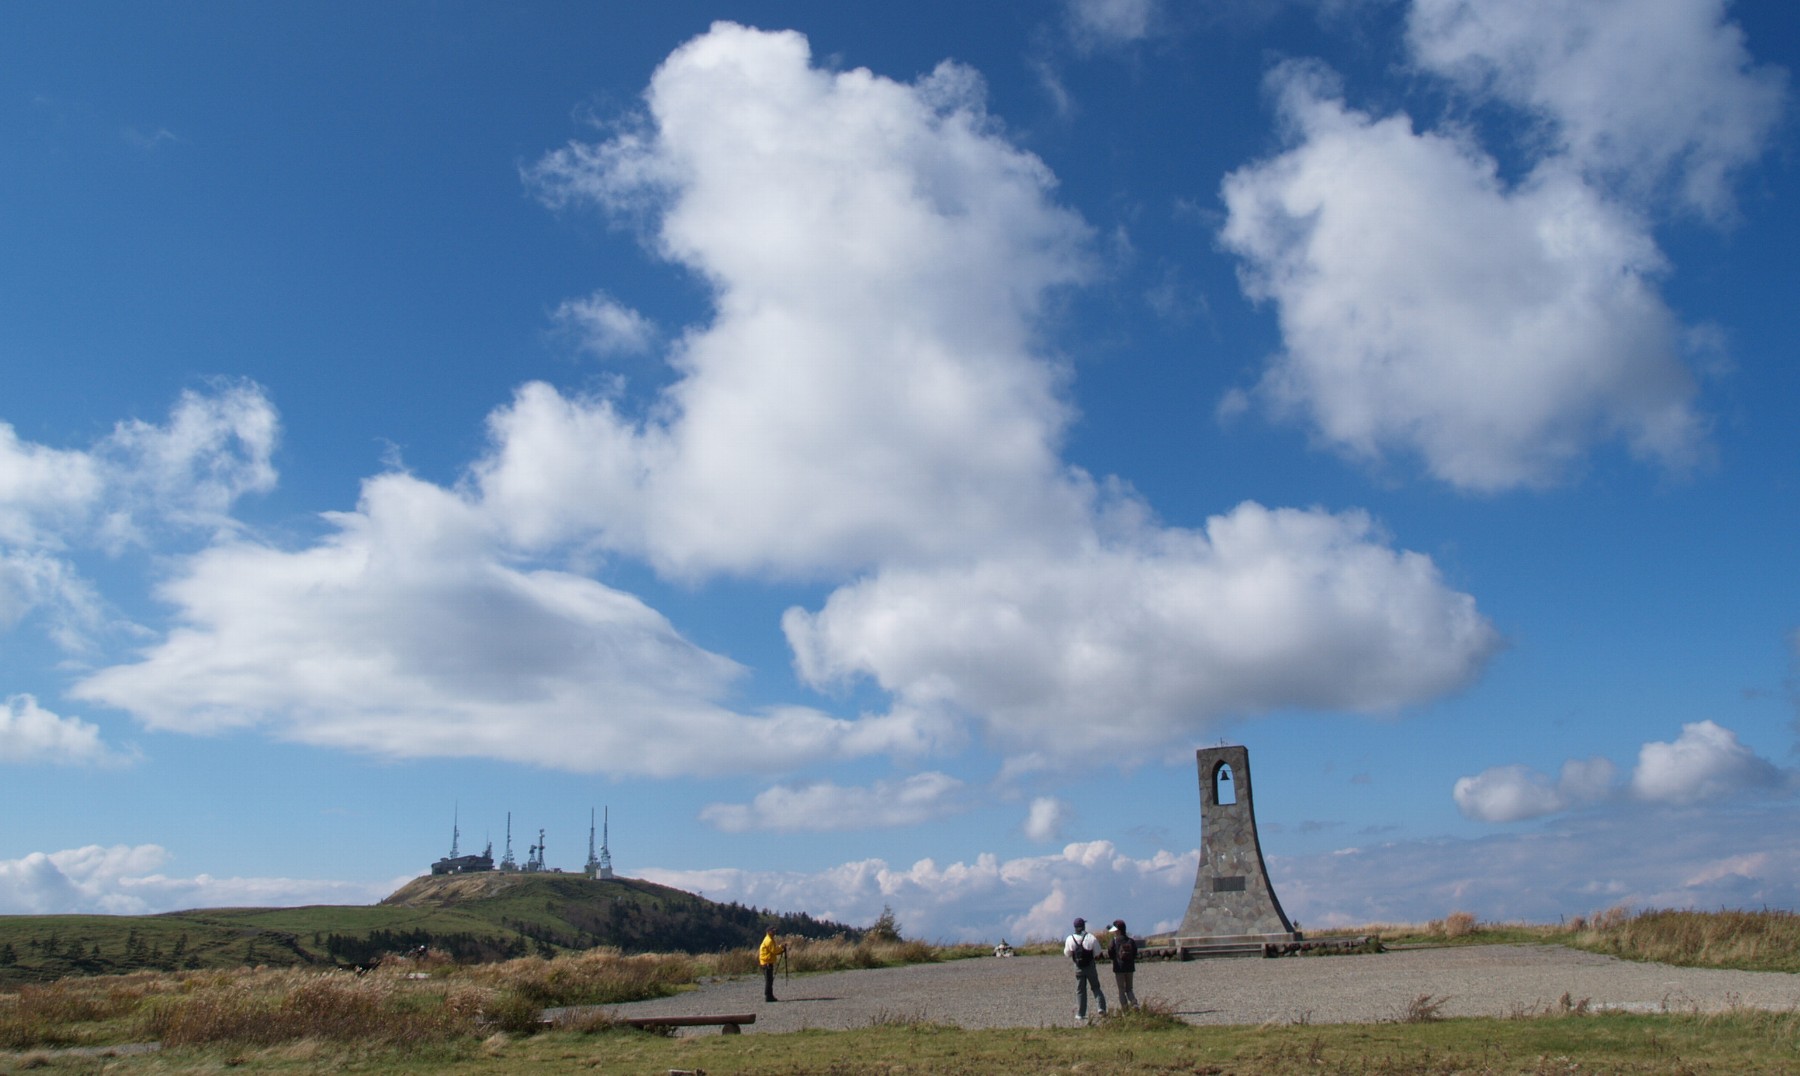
1082 956
1125 953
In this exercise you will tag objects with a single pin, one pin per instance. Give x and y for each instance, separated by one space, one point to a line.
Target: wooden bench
732 1024
728 1025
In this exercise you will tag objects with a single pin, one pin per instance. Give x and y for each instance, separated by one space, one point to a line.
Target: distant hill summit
456 890
572 912
490 915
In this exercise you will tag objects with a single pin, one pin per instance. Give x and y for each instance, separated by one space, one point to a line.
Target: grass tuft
1422 1010
1151 1014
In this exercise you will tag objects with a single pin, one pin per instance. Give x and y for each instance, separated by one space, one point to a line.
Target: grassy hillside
473 918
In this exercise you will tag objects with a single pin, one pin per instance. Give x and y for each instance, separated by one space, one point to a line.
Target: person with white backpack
1082 948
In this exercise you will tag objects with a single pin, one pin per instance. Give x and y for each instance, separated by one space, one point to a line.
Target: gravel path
1490 980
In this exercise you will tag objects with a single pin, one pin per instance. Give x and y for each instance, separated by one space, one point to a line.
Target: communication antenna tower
605 853
508 863
593 864
455 828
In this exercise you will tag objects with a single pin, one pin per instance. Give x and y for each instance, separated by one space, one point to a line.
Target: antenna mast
455 828
508 863
593 865
605 853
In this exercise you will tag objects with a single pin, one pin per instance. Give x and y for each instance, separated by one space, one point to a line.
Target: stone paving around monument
1491 980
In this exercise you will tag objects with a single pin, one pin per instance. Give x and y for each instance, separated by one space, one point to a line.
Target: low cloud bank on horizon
1664 857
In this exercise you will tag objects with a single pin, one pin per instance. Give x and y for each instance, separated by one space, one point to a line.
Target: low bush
596 977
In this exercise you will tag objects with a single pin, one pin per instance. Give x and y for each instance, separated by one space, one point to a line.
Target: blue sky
867 450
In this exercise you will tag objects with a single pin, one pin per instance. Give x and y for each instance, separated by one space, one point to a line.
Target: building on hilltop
461 864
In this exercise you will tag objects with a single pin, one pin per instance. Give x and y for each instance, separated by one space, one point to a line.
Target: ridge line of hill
476 917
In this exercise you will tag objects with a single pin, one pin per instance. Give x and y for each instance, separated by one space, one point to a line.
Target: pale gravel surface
1032 991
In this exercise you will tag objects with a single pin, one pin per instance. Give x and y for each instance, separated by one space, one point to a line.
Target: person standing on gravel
1082 948
767 956
1122 951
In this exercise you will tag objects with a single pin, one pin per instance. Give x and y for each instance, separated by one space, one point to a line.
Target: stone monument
1233 907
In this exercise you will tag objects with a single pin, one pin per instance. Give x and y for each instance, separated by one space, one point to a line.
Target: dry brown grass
596 977
1766 940
407 1000
263 1007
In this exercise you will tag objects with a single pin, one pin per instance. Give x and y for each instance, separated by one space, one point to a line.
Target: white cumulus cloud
1498 331
1514 793
868 387
408 634
30 733
41 488
141 481
1264 609
1045 818
1706 762
1647 92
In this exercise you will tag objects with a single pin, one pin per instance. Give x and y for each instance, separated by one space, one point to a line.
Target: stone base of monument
1199 947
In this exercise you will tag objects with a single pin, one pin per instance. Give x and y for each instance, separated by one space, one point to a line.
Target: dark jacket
1123 952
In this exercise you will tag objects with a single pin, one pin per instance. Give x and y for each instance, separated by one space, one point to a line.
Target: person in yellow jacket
767 956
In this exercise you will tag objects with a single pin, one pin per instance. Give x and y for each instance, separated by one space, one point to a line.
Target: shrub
596 977
514 1013
1455 925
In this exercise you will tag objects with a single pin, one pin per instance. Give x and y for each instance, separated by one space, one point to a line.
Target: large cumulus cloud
868 388
1495 330
408 634
1263 609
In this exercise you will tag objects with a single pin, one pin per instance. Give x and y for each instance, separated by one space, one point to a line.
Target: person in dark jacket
1122 951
